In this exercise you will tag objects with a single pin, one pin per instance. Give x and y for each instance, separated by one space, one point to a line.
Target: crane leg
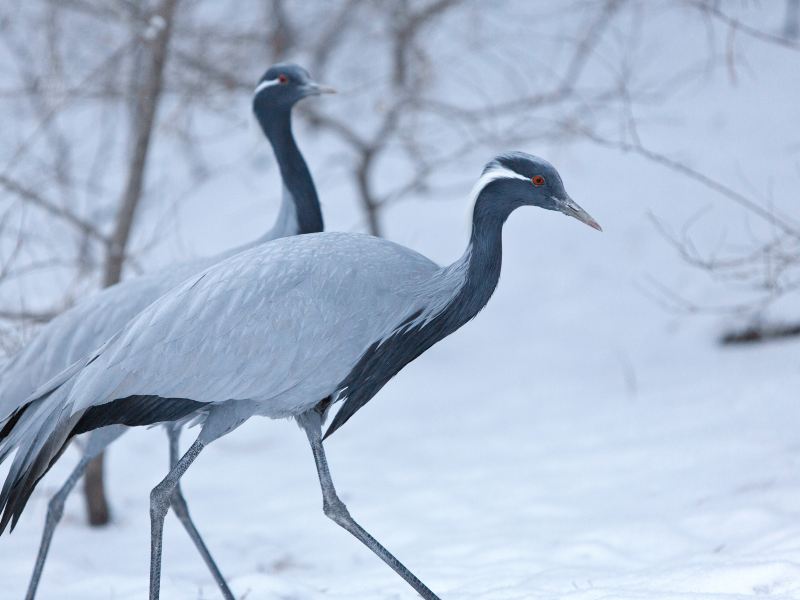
178 503
55 510
159 505
98 440
334 508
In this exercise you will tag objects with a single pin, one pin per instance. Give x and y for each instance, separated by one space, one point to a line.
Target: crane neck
458 293
477 272
300 211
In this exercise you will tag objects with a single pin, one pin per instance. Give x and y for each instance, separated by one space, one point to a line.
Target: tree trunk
147 100
368 202
791 24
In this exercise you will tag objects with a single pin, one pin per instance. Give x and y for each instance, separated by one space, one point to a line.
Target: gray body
275 329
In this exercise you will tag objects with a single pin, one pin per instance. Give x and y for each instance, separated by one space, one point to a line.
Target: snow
575 441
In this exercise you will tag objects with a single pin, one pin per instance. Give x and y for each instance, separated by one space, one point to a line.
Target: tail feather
26 420
38 465
39 437
11 422
39 430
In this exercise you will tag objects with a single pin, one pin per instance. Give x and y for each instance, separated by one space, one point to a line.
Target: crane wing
280 325
81 329
277 327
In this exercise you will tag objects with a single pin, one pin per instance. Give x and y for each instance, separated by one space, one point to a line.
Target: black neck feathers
277 126
484 260
474 278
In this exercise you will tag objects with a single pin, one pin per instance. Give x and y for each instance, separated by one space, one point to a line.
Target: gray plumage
284 329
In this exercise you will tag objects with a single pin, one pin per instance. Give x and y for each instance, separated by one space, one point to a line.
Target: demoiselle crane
286 329
86 326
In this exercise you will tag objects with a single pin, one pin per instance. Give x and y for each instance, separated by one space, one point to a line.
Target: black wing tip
15 496
339 420
343 416
7 514
331 429
131 411
136 411
14 501
11 421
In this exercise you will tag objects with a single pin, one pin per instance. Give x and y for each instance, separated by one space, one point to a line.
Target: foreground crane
86 326
286 329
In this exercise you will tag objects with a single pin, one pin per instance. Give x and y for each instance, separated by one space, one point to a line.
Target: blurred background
621 420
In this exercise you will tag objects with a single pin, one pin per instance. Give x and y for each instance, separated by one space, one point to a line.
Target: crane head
522 179
285 84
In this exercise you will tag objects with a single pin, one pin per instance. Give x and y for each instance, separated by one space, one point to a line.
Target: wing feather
78 331
281 324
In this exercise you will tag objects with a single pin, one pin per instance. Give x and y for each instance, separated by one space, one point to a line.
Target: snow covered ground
575 441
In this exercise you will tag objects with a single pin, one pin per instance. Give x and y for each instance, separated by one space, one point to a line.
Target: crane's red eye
282 78
537 180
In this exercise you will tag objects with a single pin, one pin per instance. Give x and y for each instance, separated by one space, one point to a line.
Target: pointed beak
569 207
315 89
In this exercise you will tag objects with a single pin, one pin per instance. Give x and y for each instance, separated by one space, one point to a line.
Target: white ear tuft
491 174
265 84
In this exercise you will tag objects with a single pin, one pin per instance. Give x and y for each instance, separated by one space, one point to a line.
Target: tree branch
85 227
147 106
712 8
637 148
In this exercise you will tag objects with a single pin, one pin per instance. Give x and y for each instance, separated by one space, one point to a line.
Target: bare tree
767 263
147 95
148 35
404 109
